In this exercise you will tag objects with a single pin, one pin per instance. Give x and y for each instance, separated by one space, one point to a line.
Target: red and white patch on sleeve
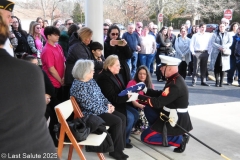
166 92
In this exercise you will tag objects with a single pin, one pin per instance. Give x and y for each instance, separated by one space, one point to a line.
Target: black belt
201 51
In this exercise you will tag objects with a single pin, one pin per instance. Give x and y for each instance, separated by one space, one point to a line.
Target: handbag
226 52
78 128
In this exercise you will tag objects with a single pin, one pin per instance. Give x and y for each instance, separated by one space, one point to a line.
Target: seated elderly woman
92 101
111 84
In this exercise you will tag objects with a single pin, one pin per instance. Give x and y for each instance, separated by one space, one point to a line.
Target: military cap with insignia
169 61
6 5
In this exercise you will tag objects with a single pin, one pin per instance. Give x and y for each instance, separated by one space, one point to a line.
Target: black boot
221 78
183 144
217 79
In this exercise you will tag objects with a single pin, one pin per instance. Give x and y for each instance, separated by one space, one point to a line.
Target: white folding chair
63 111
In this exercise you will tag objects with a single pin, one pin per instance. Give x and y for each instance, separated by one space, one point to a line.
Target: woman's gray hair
81 68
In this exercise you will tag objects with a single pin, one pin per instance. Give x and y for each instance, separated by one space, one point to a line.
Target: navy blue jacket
132 40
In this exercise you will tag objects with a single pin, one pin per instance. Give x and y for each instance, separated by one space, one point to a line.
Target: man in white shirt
200 47
6 8
189 27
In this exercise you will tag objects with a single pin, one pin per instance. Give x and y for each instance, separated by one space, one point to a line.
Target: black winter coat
111 88
77 50
163 44
124 53
22 104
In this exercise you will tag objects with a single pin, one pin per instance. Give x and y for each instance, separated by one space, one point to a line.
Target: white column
94 18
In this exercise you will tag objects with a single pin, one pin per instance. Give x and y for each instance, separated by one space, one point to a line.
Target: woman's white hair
81 68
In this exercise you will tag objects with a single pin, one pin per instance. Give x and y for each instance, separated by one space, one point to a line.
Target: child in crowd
53 60
96 49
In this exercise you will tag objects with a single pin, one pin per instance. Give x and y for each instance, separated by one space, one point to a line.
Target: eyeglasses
105 29
69 24
154 28
38 28
114 34
15 22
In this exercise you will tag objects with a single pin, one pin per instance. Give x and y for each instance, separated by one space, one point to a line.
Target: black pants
117 123
190 66
59 93
50 112
200 59
219 74
182 69
158 72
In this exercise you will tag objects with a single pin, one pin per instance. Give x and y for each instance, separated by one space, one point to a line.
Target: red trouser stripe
148 136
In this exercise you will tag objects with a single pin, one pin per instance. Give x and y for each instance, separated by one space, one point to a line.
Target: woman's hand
112 42
141 106
111 108
220 48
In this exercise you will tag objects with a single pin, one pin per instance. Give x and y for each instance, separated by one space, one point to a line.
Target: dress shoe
124 155
182 145
204 84
217 83
129 145
118 155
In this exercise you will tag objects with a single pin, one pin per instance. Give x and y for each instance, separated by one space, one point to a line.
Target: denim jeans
132 63
132 117
151 65
238 68
146 59
151 114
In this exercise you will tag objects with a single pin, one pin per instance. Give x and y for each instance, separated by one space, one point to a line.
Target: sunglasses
105 29
140 27
154 28
69 24
114 34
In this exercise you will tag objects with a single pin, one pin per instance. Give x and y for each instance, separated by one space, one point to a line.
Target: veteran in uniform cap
6 8
172 100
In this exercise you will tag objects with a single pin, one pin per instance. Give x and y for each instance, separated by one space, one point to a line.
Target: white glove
174 117
134 97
